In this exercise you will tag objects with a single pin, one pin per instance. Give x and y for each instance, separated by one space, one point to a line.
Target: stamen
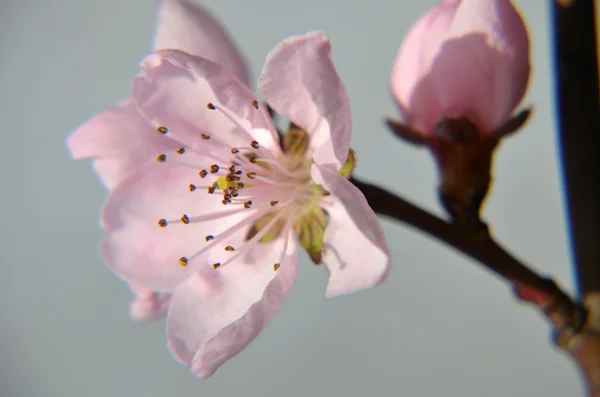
181 151
231 230
183 261
185 219
192 187
255 104
285 246
277 165
203 173
216 265
205 137
254 240
161 158
210 106
214 168
162 130
162 223
229 248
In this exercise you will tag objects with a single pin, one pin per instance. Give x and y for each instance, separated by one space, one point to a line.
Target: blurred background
440 326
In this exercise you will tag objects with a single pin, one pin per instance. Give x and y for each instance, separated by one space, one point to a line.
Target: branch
576 329
579 125
579 128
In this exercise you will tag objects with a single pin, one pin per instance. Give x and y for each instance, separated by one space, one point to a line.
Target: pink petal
175 88
356 253
147 304
117 140
211 321
188 27
139 250
487 55
481 68
299 81
415 57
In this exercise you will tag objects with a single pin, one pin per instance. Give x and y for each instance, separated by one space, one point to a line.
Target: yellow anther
247 204
255 103
162 130
203 173
209 237
161 158
183 261
162 223
204 136
254 144
210 106
216 265
185 219
235 150
229 248
192 187
276 266
214 168
181 150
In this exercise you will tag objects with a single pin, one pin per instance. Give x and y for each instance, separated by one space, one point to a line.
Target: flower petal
190 28
480 71
212 320
192 96
415 57
147 304
138 249
356 253
487 55
299 81
118 140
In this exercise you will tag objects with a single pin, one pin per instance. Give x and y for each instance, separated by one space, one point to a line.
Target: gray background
440 325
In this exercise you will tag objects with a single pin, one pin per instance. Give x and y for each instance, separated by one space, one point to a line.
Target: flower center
276 189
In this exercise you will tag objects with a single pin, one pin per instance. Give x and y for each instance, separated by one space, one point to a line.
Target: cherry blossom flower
118 140
463 59
211 218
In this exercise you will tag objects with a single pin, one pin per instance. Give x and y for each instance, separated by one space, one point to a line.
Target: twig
574 329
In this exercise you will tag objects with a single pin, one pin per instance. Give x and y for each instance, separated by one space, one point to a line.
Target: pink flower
212 216
466 58
119 140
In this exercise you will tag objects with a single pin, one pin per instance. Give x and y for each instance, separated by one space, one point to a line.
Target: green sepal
310 229
348 167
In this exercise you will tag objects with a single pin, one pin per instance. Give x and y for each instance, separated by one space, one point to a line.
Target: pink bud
464 58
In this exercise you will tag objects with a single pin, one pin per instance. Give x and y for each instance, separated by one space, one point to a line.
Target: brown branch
578 108
576 327
578 105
